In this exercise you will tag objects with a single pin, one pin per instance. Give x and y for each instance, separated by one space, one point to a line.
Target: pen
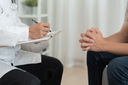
37 23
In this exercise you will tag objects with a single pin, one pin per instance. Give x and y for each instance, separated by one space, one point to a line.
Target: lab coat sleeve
12 30
11 37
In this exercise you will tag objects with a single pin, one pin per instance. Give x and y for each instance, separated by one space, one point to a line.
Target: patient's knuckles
82 34
84 44
82 41
88 34
85 39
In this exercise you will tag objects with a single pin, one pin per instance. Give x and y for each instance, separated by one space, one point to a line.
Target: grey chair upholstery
105 80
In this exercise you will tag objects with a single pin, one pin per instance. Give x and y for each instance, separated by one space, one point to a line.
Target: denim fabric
117 70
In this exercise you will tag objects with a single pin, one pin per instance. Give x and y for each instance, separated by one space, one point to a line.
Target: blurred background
73 17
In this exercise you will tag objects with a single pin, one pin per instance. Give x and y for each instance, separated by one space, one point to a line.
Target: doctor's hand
92 40
39 30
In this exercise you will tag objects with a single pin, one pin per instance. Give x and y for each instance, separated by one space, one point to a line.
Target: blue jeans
117 69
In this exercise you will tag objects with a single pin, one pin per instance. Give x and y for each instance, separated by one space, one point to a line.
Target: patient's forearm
116 48
121 36
118 37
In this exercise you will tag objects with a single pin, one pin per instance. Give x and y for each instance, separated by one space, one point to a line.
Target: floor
75 76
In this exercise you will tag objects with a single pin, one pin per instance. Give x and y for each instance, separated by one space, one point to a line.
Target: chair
105 80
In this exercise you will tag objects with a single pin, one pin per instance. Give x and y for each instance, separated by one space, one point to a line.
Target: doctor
18 67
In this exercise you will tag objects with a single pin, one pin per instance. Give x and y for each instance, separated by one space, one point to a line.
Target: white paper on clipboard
46 38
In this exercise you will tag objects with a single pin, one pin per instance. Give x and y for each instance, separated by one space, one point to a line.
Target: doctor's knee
20 78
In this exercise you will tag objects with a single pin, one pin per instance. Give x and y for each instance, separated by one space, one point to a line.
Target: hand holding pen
37 23
38 30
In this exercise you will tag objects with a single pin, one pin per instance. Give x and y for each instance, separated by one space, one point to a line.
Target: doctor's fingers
44 24
36 36
46 29
44 33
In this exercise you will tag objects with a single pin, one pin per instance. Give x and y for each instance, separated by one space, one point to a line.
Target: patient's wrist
106 46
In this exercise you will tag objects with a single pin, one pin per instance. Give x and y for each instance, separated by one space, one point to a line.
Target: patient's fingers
98 31
90 35
86 49
81 41
91 30
82 34
84 45
88 40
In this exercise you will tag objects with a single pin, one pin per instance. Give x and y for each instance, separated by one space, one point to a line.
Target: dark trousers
117 69
48 72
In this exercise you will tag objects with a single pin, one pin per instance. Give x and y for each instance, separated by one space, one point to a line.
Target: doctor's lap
19 67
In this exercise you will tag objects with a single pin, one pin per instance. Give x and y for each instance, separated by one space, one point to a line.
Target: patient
111 51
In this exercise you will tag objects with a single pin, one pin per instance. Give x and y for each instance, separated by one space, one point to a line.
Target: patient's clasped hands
92 40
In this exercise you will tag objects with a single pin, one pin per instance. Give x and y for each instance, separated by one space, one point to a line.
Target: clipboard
46 38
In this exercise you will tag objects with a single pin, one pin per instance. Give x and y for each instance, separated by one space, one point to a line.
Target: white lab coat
12 30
